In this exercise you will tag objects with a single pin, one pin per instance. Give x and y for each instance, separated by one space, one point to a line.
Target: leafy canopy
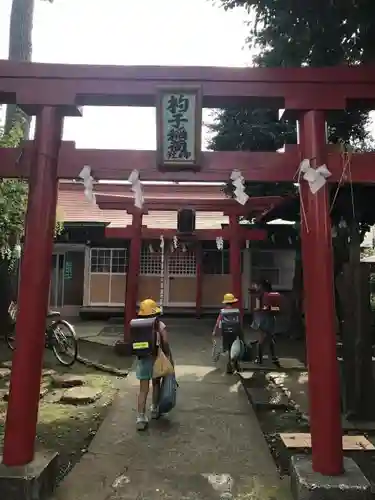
293 34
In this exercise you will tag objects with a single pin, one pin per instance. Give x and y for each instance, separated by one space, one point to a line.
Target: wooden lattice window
150 262
181 264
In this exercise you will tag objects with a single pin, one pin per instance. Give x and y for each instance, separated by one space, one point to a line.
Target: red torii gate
235 234
53 91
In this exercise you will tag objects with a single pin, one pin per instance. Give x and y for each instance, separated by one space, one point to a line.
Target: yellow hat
148 307
229 298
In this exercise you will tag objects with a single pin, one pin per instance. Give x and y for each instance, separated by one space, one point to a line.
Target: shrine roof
74 207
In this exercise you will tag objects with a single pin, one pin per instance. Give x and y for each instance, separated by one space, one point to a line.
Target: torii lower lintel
149 233
225 205
217 166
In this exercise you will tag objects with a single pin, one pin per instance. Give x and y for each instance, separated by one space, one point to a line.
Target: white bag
237 350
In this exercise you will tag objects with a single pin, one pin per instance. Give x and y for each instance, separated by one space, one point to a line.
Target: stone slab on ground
310 485
67 380
54 396
209 445
35 481
80 395
303 440
44 388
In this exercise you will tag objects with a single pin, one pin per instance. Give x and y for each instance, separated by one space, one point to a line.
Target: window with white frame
181 263
150 262
118 260
108 260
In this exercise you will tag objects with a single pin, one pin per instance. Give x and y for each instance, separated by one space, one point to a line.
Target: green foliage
309 33
295 34
13 201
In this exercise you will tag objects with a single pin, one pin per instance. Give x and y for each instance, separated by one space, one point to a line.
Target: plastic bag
162 365
216 351
168 394
237 350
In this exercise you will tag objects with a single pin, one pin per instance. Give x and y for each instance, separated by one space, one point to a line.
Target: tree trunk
296 313
20 49
5 296
358 381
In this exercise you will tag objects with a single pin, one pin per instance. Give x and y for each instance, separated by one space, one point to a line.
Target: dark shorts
228 341
264 321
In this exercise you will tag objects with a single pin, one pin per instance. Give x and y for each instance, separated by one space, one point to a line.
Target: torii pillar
24 392
132 279
317 256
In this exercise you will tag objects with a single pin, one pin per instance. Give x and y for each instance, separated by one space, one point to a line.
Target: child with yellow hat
144 368
229 326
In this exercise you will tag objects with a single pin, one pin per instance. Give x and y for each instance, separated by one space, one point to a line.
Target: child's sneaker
154 410
141 422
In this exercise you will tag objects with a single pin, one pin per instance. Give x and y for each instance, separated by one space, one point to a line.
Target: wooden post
324 386
24 394
235 260
131 292
199 280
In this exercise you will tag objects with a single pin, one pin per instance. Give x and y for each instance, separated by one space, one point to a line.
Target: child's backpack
143 337
273 301
231 325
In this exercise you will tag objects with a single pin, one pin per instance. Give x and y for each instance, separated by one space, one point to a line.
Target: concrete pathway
209 448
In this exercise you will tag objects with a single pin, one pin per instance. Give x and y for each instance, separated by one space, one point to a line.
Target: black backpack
143 337
231 325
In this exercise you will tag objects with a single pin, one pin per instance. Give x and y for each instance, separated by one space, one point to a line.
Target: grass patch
65 428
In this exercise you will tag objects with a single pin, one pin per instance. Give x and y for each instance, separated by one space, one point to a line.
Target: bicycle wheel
64 342
10 336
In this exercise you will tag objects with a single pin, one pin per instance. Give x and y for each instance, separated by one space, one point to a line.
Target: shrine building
91 257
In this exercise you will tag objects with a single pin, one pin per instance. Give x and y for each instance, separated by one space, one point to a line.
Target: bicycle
59 334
